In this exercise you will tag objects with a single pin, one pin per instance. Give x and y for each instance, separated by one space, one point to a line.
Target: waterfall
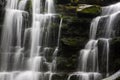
29 48
89 67
25 48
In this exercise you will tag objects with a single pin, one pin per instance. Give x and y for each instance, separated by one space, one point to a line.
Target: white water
23 56
19 63
88 59
22 4
11 33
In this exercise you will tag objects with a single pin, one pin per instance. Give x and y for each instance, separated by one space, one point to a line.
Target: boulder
80 10
84 10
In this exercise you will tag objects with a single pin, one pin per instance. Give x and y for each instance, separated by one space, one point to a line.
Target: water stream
29 52
24 48
89 68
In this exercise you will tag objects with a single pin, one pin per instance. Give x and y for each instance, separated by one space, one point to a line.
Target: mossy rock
60 76
75 32
84 10
70 41
75 27
70 9
80 10
66 9
68 64
118 78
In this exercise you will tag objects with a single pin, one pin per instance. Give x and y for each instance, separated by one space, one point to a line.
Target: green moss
29 6
92 10
70 41
74 32
68 64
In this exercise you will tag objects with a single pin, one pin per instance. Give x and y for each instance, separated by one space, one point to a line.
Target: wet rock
66 10
67 64
80 10
118 78
75 32
74 77
60 76
84 10
74 36
115 54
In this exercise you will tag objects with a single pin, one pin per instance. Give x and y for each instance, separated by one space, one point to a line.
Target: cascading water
12 30
89 67
24 49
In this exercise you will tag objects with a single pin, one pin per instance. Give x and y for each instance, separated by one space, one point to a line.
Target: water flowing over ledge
29 48
25 49
88 58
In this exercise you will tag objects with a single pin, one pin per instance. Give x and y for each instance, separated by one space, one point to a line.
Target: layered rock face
77 16
75 29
